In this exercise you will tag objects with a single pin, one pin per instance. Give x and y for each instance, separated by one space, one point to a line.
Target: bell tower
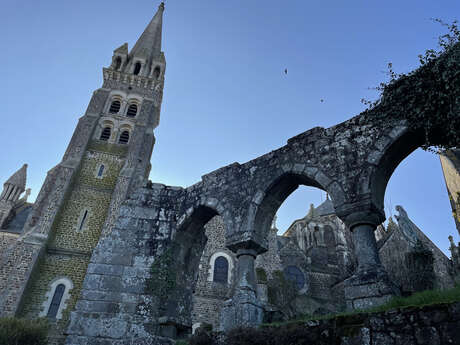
107 158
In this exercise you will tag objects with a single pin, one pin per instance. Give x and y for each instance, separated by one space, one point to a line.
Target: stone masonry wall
115 304
69 248
54 266
16 259
430 325
209 296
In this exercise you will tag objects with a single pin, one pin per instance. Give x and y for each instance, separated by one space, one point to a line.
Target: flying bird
285 71
321 100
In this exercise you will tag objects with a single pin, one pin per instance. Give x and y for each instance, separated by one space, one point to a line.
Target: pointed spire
18 179
149 44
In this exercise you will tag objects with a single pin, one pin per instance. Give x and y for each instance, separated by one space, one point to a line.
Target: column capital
361 213
243 251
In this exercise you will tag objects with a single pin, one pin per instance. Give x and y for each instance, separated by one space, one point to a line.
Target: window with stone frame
100 171
115 107
55 302
106 132
132 110
124 137
220 270
56 298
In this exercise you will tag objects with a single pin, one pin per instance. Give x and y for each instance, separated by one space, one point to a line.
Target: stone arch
188 243
119 96
402 143
201 213
102 125
277 191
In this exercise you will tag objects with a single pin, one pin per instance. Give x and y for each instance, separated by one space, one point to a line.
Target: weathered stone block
105 269
111 283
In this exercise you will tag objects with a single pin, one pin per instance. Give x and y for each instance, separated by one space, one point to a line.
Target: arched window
137 68
221 270
115 107
100 172
132 110
157 72
295 275
55 302
56 298
106 132
117 63
124 137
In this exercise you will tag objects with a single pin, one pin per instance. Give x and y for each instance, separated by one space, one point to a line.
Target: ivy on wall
428 98
163 277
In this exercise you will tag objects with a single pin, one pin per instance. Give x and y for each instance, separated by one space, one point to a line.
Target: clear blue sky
226 97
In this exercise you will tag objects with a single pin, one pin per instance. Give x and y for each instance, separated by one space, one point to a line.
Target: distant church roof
17 222
19 178
326 208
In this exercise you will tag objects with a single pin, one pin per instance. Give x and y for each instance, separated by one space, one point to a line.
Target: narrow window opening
101 170
124 137
137 68
9 194
105 135
83 220
132 110
157 72
115 107
56 301
220 270
117 63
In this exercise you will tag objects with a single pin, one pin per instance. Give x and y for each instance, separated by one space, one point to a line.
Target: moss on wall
52 267
86 192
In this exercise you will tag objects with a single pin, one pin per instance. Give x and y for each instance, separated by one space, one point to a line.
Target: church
108 256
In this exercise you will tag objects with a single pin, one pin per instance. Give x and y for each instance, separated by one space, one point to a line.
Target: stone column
370 285
366 249
243 309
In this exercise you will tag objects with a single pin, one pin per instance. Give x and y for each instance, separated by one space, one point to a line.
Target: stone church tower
108 157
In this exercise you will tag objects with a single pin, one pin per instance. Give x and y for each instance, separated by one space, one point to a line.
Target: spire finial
148 45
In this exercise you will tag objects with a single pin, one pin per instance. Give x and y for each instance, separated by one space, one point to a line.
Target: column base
367 289
243 310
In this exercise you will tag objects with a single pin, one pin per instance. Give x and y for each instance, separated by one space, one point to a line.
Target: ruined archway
405 143
276 193
181 267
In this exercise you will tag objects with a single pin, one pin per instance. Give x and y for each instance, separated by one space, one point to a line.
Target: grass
422 298
418 299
